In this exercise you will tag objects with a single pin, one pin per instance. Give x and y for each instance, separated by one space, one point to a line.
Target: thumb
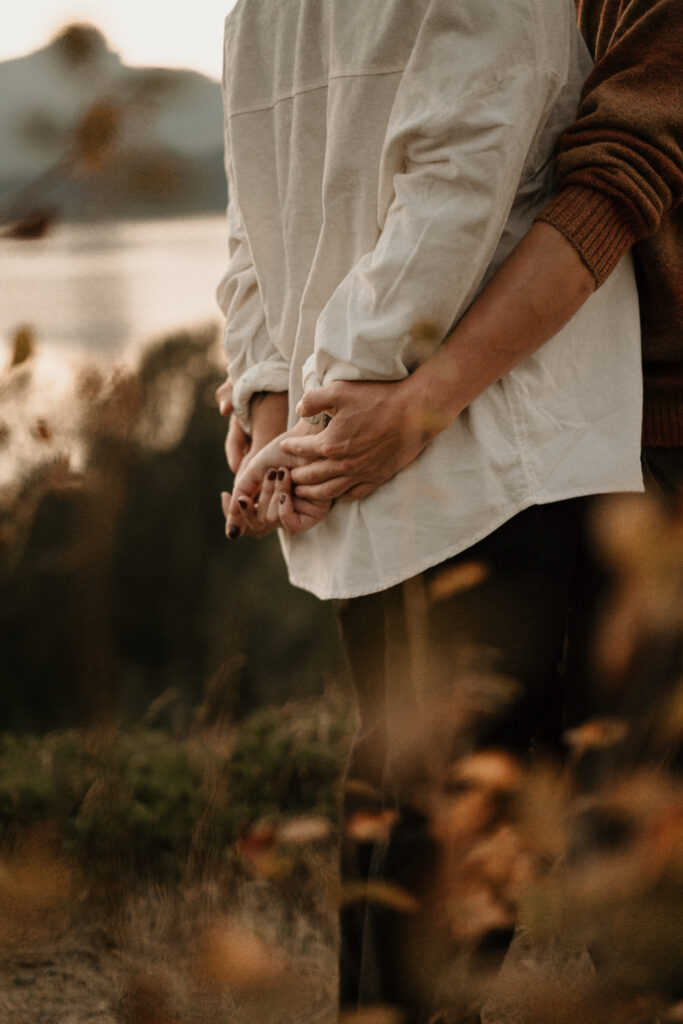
314 402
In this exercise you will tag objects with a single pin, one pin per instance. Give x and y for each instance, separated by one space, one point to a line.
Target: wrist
432 398
268 417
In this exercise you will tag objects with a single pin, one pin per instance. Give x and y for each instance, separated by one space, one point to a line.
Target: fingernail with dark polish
283 499
281 474
234 532
242 504
272 474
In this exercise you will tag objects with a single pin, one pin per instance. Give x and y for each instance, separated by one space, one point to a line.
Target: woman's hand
377 428
262 497
237 441
275 507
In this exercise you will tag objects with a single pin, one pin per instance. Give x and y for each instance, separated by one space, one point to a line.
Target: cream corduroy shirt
383 157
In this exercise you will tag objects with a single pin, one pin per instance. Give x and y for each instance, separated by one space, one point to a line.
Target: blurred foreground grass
147 878
171 735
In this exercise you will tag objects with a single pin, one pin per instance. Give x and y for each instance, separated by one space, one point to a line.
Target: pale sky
174 33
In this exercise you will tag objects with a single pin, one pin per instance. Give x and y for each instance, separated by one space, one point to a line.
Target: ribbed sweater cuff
594 223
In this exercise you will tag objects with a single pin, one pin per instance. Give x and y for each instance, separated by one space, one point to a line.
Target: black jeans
442 665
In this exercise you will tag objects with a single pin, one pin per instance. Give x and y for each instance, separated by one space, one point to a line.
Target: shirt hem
429 561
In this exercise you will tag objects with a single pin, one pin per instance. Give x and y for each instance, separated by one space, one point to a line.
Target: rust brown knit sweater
620 181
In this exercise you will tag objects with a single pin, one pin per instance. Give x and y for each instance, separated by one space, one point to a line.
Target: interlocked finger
319 471
281 487
234 522
253 527
326 491
267 489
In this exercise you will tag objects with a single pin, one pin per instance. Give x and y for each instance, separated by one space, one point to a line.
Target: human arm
378 428
460 140
619 177
619 165
254 394
256 364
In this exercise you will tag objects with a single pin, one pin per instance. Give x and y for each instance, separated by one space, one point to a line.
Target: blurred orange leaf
260 838
260 855
304 829
455 579
358 787
598 733
233 956
369 827
385 893
488 769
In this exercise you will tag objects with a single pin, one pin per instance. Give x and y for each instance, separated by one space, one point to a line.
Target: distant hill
86 136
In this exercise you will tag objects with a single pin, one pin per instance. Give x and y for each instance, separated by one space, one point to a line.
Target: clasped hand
376 429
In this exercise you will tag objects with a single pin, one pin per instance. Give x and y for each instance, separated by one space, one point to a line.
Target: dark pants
442 668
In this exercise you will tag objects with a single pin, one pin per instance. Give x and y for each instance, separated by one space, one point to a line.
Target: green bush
288 760
146 801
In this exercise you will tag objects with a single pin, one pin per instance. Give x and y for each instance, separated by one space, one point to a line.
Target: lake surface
107 288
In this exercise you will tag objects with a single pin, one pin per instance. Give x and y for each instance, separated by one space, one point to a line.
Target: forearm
535 293
379 428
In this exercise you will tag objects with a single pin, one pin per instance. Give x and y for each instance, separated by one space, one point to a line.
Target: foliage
290 764
142 800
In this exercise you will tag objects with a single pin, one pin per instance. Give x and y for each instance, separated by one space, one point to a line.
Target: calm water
107 287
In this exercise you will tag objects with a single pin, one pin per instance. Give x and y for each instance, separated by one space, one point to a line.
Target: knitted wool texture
620 181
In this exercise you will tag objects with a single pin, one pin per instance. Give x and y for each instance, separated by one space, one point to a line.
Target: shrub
144 801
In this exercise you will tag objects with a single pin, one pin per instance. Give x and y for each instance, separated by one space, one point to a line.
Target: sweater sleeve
619 165
255 364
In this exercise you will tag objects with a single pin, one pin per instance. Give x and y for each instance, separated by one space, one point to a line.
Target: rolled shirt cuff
259 377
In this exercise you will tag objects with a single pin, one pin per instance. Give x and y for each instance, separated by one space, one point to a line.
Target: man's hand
377 428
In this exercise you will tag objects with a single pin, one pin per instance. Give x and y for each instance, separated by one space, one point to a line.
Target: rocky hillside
87 136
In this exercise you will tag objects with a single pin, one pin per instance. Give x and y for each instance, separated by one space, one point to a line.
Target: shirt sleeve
254 363
620 164
463 138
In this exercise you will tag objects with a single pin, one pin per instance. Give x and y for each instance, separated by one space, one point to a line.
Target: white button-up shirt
383 158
